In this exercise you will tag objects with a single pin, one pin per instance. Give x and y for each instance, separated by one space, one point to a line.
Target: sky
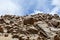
28 7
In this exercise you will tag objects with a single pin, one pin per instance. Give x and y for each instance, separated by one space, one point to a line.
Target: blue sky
27 7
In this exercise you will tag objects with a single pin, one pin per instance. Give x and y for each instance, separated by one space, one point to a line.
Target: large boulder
29 21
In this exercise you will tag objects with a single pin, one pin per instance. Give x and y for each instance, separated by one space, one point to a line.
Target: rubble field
30 27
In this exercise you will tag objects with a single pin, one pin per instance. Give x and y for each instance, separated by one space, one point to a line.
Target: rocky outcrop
33 27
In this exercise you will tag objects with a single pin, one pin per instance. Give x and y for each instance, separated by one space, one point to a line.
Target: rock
1 30
2 21
38 38
58 26
20 38
10 31
6 35
7 21
56 15
32 31
29 21
49 17
11 22
27 38
54 23
56 37
15 36
30 27
8 27
43 30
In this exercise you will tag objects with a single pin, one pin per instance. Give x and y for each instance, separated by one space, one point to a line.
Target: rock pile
33 27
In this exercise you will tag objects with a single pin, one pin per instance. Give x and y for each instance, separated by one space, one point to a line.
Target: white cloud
23 7
54 11
36 12
8 7
56 2
57 6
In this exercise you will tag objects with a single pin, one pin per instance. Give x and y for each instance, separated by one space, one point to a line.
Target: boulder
29 21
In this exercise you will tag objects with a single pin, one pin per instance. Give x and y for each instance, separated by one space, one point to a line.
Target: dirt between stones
32 27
